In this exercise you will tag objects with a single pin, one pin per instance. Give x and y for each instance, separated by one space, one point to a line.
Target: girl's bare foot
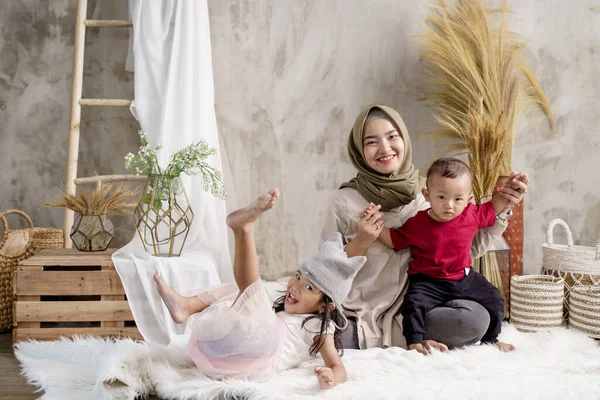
247 215
505 347
176 303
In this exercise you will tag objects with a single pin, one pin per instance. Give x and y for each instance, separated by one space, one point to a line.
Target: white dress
247 338
298 339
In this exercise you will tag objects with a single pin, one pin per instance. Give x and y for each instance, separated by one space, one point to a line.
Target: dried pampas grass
481 87
99 201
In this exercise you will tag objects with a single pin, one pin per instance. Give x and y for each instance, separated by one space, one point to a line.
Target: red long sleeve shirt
442 249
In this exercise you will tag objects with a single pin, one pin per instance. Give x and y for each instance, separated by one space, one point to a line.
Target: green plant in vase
164 215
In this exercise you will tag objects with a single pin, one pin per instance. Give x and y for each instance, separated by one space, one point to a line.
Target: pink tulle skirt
240 339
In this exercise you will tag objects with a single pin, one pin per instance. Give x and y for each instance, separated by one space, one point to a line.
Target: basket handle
550 234
3 214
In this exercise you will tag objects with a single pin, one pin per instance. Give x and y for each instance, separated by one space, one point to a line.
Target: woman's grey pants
457 323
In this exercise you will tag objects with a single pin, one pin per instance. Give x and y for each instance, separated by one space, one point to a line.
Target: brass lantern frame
161 209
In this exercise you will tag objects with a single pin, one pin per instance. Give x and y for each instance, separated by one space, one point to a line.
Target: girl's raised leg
241 222
180 307
245 264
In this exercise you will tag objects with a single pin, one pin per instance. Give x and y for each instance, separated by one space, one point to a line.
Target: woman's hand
514 189
369 228
369 224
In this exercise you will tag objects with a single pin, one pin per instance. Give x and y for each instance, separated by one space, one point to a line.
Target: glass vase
92 232
163 216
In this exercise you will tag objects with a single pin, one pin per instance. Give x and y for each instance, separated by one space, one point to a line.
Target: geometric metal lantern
163 216
92 232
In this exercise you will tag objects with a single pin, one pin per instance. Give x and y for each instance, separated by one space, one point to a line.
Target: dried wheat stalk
99 201
481 86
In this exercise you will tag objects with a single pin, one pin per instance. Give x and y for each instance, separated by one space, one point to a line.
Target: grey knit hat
331 270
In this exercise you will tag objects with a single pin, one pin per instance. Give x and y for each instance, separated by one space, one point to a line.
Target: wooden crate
66 292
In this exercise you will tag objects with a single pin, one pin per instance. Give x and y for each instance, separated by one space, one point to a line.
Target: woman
380 149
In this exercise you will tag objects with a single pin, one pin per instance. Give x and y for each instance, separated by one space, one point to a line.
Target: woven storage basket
585 310
536 302
577 265
39 238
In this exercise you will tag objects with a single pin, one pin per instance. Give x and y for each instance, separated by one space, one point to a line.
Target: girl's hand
325 376
370 224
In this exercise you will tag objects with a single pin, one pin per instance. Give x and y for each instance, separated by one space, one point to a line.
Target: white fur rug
562 364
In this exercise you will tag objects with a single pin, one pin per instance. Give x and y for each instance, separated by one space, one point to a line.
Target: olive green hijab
392 190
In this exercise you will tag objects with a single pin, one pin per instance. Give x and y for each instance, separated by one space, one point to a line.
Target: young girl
237 332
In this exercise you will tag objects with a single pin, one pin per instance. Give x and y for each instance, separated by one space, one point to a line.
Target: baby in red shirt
440 240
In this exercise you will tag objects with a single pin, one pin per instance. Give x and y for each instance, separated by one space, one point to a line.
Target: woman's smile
387 159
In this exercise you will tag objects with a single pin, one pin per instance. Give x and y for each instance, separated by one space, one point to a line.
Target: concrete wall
36 63
290 76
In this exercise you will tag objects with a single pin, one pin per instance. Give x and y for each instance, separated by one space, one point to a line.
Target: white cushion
15 243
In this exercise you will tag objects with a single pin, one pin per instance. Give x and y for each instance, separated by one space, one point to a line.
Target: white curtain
174 101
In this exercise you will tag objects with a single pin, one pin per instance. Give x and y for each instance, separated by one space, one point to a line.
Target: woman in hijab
380 148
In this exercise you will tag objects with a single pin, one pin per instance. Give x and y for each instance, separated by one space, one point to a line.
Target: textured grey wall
290 76
36 62
564 43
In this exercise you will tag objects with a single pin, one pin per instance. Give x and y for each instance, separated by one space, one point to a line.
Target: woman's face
383 146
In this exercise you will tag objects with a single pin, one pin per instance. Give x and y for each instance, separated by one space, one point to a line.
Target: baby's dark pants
425 293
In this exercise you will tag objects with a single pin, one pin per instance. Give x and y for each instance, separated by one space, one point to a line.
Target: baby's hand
369 208
325 376
523 178
522 181
516 177
513 188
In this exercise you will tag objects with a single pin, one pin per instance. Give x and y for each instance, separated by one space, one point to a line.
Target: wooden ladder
81 23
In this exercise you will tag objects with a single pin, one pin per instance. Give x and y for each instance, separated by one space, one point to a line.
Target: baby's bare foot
247 215
426 347
418 347
505 347
432 344
176 303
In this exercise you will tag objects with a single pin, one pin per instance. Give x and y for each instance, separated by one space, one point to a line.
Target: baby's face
302 297
448 196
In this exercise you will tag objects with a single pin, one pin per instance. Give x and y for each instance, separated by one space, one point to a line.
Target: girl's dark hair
326 316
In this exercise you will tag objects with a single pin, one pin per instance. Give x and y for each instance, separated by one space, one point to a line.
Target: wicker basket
577 265
585 310
536 302
39 238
